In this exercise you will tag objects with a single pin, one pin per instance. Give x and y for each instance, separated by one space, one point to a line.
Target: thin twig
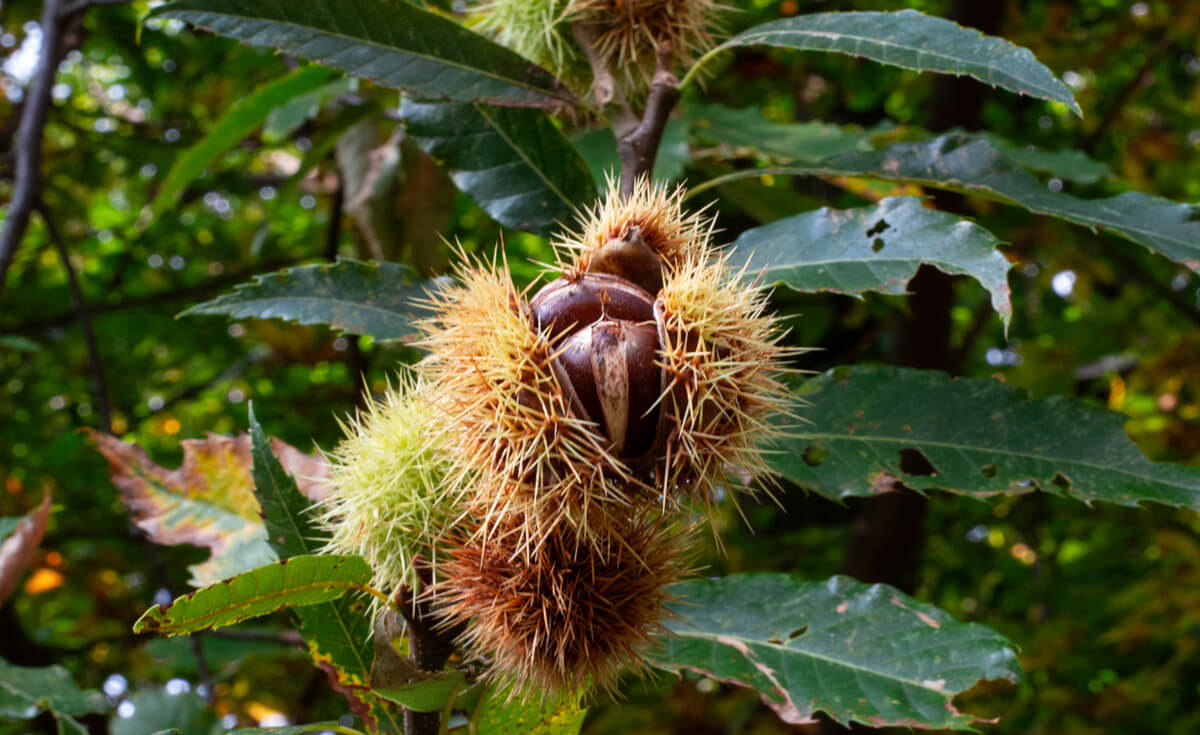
28 145
84 316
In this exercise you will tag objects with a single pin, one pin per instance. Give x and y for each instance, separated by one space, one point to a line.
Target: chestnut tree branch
27 182
430 645
84 316
638 148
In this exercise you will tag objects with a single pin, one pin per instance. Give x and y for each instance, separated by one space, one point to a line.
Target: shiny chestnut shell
606 348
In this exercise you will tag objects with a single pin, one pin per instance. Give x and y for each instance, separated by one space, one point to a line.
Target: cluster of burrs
545 453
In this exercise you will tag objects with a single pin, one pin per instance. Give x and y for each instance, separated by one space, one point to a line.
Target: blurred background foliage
1104 602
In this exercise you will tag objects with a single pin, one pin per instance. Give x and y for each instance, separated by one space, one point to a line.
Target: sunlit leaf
395 44
876 248
208 501
858 653
913 40
300 580
241 119
869 428
514 163
374 299
19 540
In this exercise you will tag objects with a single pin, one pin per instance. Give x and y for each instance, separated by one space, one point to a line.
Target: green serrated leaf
241 119
876 248
336 632
972 165
514 163
912 40
748 128
338 638
395 44
868 654
290 530
868 428
301 580
374 299
1070 165
426 695
497 714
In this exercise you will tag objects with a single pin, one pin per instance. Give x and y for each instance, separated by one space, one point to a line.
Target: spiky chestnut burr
518 431
567 617
629 33
723 360
638 237
390 500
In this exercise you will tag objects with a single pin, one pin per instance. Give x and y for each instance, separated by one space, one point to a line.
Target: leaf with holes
911 40
19 541
395 44
858 653
374 299
241 119
877 248
208 501
301 580
514 163
972 165
869 428
24 692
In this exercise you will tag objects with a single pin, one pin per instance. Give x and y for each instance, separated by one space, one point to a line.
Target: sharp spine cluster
579 419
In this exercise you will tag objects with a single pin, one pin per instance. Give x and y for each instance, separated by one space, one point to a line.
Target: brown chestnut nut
566 305
611 365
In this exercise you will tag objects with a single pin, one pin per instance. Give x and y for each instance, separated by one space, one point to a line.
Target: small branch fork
638 138
639 148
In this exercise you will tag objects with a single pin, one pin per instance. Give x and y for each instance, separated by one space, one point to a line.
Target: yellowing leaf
208 501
